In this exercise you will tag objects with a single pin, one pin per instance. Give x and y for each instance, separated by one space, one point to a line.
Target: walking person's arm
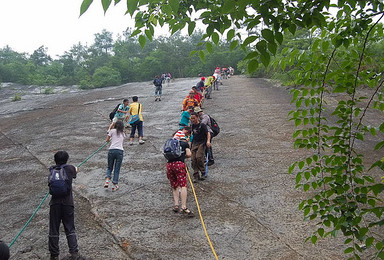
208 139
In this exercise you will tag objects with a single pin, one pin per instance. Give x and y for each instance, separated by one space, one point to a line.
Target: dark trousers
209 151
61 213
139 126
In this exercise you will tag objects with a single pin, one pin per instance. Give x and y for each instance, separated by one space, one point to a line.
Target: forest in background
109 62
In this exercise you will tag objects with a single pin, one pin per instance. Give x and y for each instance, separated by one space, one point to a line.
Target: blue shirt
184 121
121 107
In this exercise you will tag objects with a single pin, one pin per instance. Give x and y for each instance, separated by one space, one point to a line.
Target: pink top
116 140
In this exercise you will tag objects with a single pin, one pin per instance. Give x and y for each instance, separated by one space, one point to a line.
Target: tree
40 57
344 197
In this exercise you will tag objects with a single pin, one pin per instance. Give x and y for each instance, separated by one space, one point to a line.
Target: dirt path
248 202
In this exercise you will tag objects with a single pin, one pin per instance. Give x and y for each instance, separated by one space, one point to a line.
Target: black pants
61 213
209 150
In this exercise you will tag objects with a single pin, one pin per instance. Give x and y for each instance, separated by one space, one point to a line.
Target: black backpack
214 127
112 114
172 149
58 181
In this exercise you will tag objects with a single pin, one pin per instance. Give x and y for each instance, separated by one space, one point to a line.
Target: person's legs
200 158
194 148
111 162
183 195
173 181
160 92
133 131
182 183
118 155
69 228
54 225
141 131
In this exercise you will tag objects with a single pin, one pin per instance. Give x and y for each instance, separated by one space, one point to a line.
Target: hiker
61 205
115 154
201 140
206 119
183 133
208 86
177 176
159 88
185 116
198 96
121 113
217 76
4 251
200 84
136 120
189 101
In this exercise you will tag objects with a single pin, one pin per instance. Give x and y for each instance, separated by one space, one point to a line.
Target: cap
198 110
202 78
214 77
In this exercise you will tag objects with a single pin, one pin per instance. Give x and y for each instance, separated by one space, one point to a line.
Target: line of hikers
195 127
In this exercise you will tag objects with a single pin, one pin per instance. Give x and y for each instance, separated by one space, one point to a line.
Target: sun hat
198 110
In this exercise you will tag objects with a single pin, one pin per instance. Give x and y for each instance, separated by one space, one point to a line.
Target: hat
213 76
198 110
202 78
191 92
217 68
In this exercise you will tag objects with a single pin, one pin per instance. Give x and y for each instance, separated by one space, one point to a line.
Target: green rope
46 196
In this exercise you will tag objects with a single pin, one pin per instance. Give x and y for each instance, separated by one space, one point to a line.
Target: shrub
106 76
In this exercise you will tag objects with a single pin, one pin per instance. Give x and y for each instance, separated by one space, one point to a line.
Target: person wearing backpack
136 120
177 175
61 206
206 119
201 140
115 154
159 87
121 113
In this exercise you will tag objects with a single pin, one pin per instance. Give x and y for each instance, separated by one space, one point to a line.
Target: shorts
115 119
177 174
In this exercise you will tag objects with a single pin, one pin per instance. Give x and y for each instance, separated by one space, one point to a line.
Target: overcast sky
25 25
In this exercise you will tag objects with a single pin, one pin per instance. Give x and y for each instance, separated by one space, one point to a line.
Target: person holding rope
185 117
201 140
121 113
208 86
177 175
136 120
190 101
61 207
115 154
206 120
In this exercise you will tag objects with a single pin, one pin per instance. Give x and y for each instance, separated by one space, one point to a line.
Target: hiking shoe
54 257
187 213
155 99
141 141
211 162
115 187
159 99
74 256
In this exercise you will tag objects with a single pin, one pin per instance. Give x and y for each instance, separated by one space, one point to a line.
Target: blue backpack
58 181
172 149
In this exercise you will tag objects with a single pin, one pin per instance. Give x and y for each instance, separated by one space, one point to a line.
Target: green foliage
49 90
326 55
106 76
16 97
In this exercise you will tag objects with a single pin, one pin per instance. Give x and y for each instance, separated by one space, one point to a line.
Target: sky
25 25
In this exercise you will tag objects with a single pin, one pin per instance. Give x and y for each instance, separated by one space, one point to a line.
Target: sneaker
54 257
74 256
159 99
202 176
211 162
115 187
106 184
155 99
131 143
141 141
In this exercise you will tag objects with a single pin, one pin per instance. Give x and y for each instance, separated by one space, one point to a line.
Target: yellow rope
201 216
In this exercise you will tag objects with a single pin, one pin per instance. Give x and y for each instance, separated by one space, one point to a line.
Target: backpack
58 181
214 127
158 82
172 149
112 114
